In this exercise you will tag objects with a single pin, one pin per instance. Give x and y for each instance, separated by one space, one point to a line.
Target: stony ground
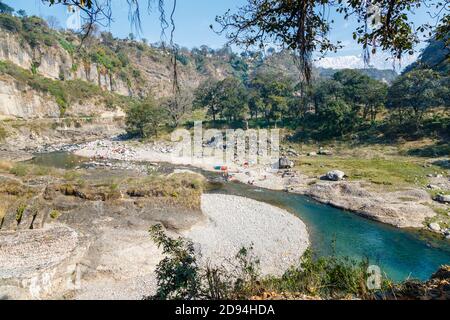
85 239
277 237
396 190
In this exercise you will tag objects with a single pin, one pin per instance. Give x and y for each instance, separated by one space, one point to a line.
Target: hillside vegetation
140 66
251 89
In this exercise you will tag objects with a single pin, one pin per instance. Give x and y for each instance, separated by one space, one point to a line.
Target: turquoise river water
400 253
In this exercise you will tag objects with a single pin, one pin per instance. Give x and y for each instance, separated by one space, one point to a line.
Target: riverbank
93 232
277 237
402 206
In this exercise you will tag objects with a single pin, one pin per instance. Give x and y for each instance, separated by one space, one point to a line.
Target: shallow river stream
400 253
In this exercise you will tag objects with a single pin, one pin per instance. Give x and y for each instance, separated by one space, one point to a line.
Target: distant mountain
283 62
344 62
381 61
435 56
386 76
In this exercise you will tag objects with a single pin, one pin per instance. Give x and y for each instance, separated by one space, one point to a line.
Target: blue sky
193 18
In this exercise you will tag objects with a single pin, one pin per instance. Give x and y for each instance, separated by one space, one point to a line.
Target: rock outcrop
20 101
335 175
56 63
383 207
81 244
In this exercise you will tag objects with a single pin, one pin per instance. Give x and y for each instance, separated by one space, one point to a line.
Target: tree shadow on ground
439 149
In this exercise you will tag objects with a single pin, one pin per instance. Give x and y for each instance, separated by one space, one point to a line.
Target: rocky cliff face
20 101
56 63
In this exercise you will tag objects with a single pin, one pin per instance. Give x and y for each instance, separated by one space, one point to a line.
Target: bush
3 133
19 212
330 277
19 170
10 23
145 118
68 46
180 277
177 274
55 214
182 59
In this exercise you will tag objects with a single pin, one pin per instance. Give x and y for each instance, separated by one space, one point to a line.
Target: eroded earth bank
84 235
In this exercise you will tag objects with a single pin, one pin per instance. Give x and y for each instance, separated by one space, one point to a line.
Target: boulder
324 152
335 175
435 226
292 153
285 163
443 198
312 154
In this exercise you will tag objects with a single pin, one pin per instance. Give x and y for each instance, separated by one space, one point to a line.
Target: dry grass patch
183 189
5 166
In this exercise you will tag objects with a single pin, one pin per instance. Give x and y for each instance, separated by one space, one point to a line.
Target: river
400 253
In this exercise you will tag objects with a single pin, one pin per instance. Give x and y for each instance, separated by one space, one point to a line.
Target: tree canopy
416 92
303 25
4 8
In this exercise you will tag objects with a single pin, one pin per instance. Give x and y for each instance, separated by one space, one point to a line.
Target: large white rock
335 175
443 198
435 226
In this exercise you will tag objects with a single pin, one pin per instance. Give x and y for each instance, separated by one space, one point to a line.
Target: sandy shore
278 238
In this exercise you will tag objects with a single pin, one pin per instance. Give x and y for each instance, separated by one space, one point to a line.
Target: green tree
304 26
414 94
374 99
4 8
336 118
22 13
145 118
365 95
207 96
274 90
227 99
255 104
325 91
354 86
233 99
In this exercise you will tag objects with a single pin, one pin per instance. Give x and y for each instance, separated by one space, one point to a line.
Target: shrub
177 273
55 214
3 133
182 59
19 170
331 277
68 46
19 212
180 277
10 23
145 118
